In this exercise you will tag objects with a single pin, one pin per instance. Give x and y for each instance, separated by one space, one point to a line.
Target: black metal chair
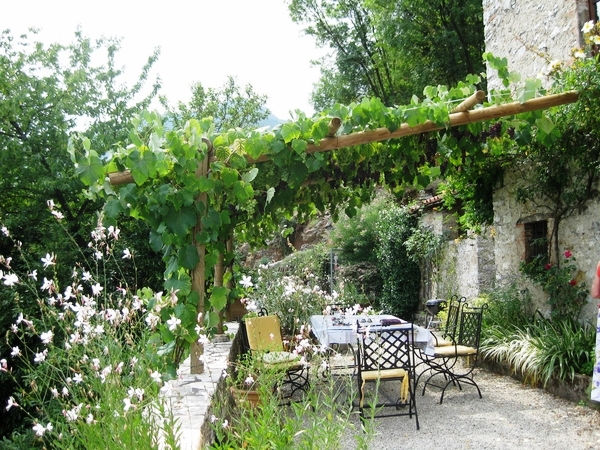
447 335
457 362
382 355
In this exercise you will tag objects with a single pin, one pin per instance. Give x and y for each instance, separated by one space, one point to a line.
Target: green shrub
543 348
400 274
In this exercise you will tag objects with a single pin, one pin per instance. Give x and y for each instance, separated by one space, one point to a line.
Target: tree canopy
391 50
46 93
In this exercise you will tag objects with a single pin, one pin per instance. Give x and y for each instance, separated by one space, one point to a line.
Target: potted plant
244 376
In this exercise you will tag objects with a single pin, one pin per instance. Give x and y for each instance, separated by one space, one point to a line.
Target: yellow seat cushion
459 350
385 373
371 375
279 357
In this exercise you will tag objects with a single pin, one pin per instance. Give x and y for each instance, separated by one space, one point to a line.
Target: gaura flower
11 402
47 337
49 260
246 281
173 322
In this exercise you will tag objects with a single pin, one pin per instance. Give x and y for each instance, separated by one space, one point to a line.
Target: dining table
342 329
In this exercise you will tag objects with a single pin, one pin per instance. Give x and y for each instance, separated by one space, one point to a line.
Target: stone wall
530 34
579 234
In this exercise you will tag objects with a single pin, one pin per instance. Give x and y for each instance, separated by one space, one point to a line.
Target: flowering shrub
294 298
85 376
566 295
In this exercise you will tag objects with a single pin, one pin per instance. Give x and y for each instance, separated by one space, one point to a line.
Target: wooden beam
334 125
469 102
383 134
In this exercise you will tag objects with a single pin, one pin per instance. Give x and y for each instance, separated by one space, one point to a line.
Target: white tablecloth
327 333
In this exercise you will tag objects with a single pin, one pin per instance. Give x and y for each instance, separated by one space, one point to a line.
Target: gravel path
509 416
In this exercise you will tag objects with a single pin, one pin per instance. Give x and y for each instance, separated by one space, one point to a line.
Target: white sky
200 40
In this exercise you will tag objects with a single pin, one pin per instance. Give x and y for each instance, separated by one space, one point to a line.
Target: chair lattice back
452 320
385 349
470 326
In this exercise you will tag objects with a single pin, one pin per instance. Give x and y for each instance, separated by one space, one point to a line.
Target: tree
47 92
391 50
231 106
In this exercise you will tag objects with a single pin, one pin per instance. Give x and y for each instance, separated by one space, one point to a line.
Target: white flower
11 402
152 320
213 419
40 357
596 39
225 423
89 419
580 54
49 260
587 27
47 337
54 392
249 380
5 231
10 279
16 351
167 389
98 254
48 285
127 405
246 281
58 215
156 376
127 254
39 429
96 289
173 322
86 276
33 275
78 378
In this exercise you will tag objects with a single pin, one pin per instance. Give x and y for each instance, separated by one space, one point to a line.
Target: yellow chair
386 354
264 337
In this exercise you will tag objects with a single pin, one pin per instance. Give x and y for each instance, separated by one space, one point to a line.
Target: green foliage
543 348
80 370
231 106
320 420
46 92
566 294
509 307
391 50
400 274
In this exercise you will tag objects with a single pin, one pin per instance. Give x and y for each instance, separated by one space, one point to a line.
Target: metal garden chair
386 355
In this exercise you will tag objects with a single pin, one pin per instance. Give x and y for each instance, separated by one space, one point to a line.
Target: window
536 239
594 9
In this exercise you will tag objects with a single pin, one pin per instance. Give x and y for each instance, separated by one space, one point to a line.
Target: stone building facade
529 34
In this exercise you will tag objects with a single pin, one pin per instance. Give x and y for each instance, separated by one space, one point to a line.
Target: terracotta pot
245 397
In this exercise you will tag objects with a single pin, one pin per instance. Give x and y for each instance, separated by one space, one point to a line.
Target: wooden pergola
463 114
